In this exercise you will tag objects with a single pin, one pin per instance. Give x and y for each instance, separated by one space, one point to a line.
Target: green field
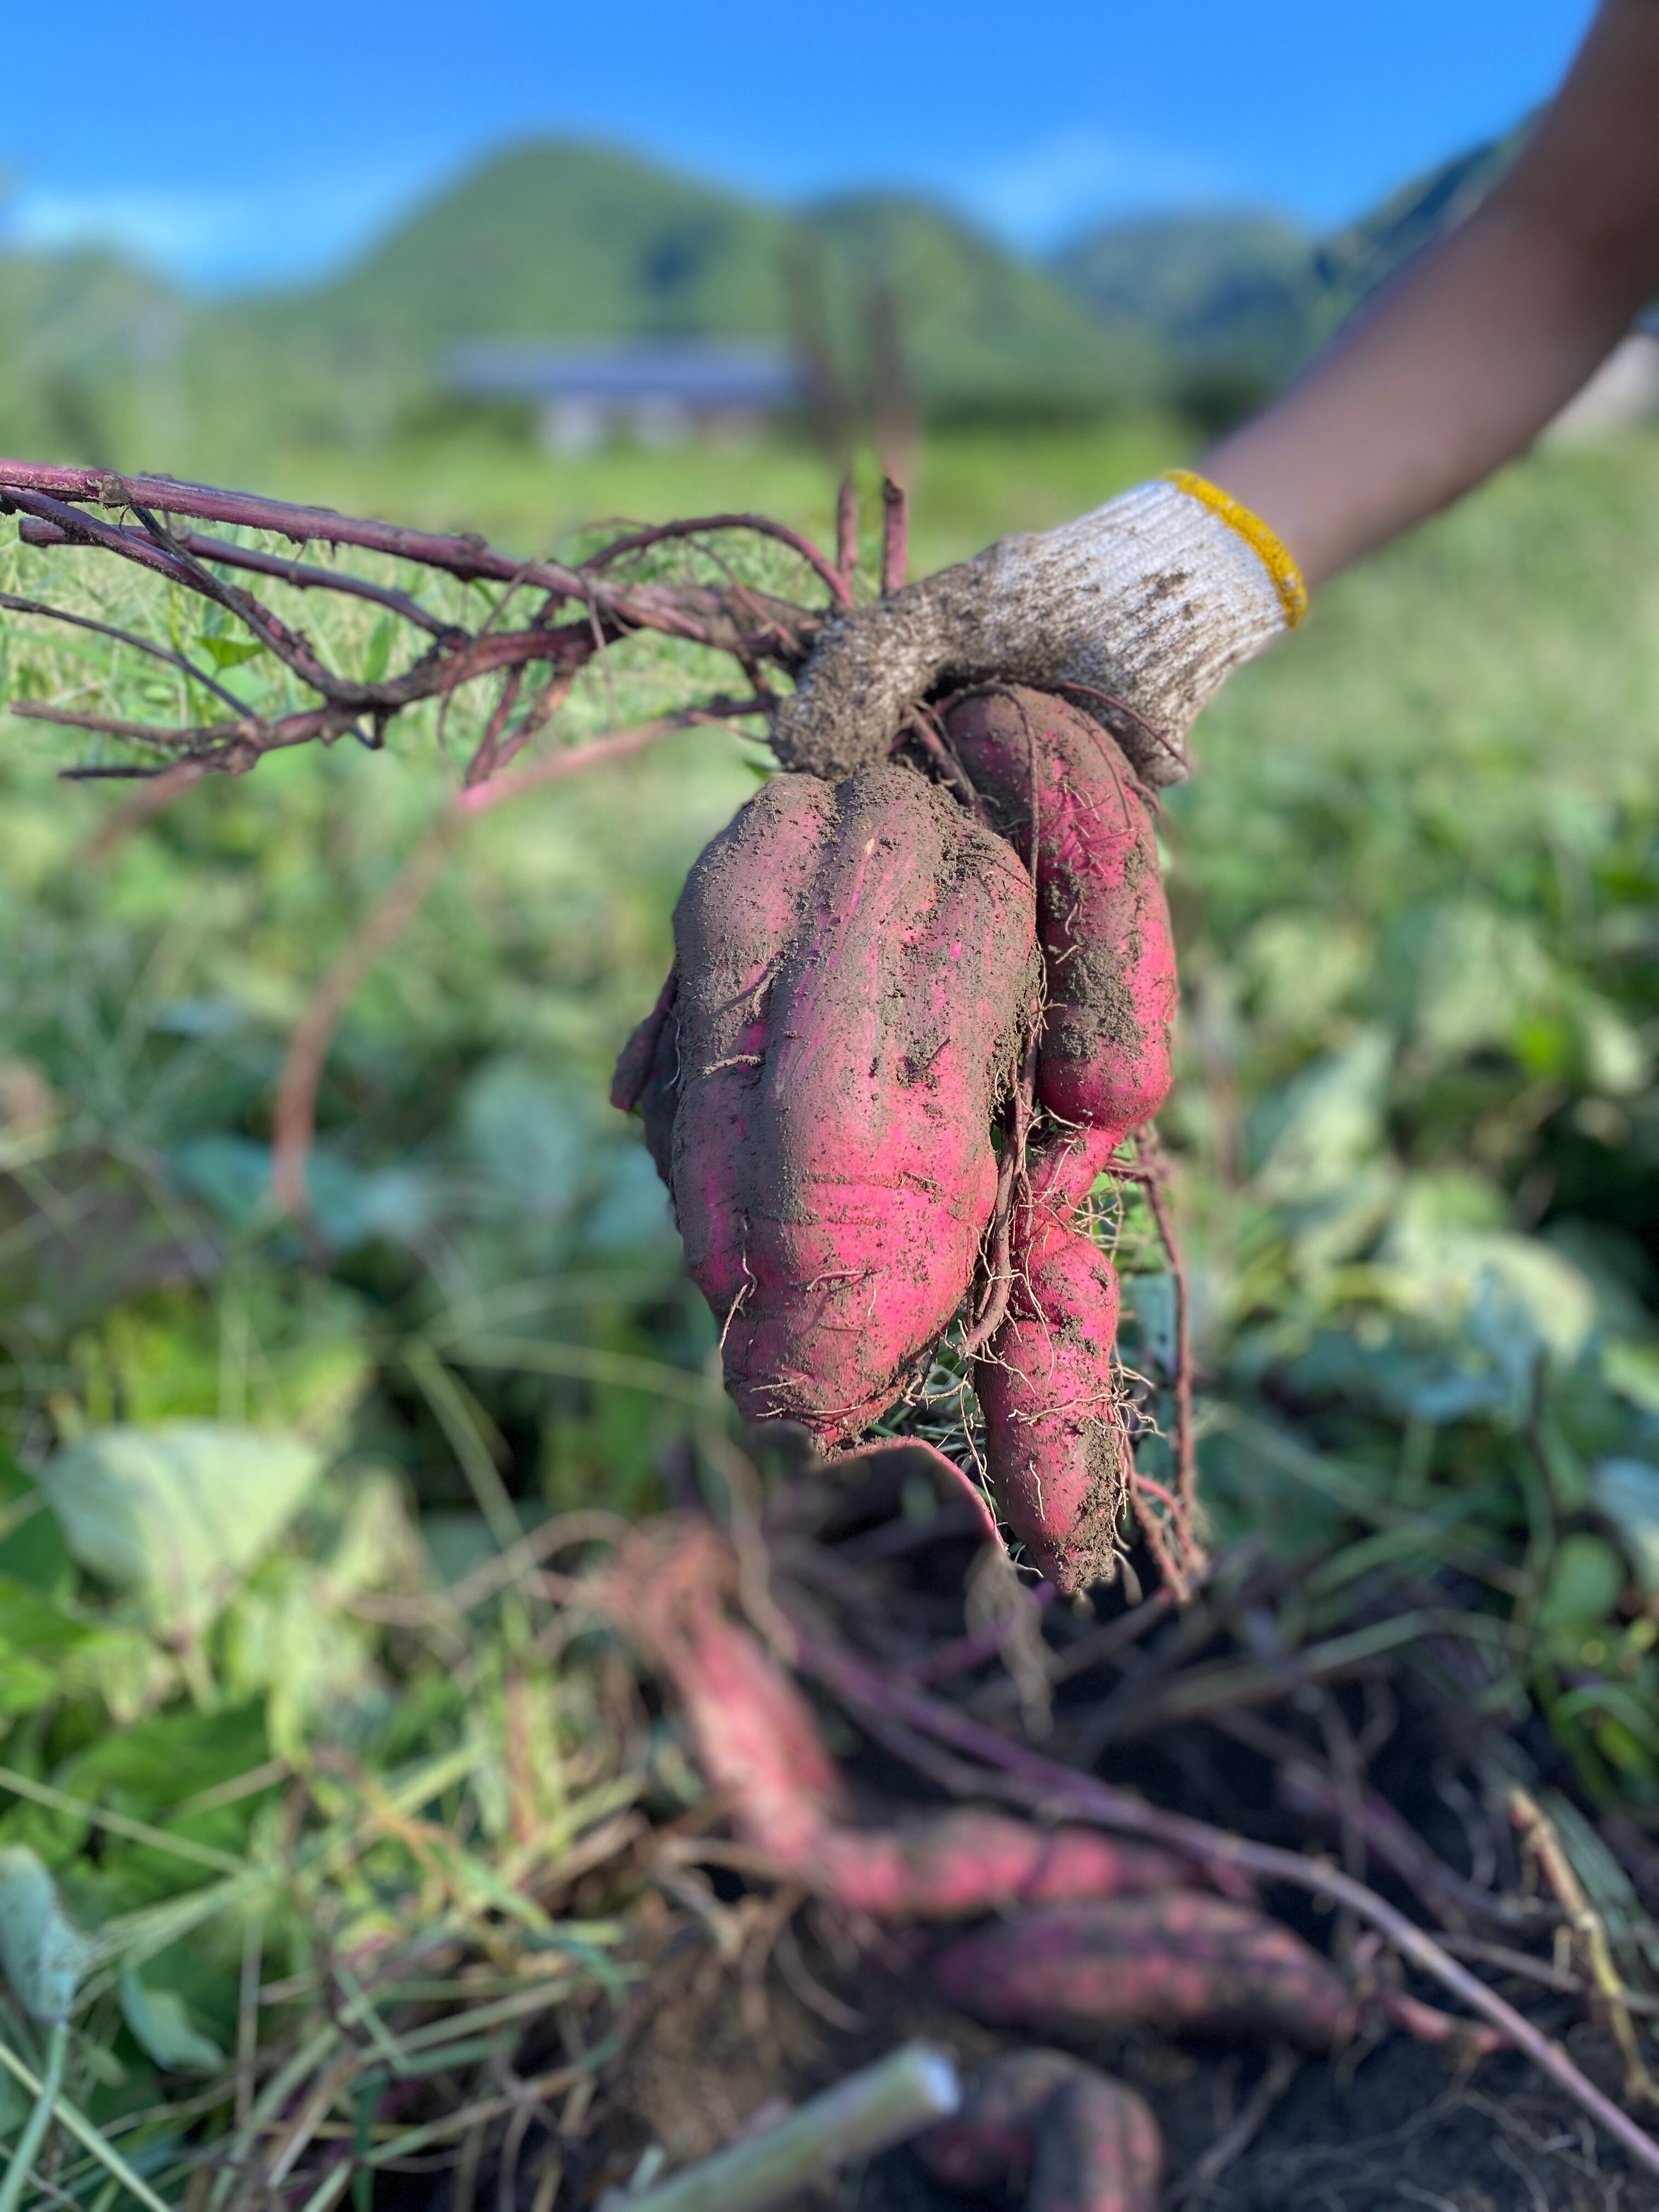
1416 1131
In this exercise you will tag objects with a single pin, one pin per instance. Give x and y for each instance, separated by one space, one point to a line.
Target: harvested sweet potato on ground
952 1866
855 968
755 1738
1181 1960
758 1744
1073 2138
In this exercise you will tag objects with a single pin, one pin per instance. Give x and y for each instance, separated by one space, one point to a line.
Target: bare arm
1462 359
1453 368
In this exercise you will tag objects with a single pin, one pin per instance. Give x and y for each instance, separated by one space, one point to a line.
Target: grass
969 486
1417 1135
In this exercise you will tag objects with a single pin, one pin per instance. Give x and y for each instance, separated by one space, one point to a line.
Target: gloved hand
1151 599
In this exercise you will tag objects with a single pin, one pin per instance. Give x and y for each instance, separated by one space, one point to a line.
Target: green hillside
981 328
566 241
560 239
1239 300
557 238
1228 295
81 336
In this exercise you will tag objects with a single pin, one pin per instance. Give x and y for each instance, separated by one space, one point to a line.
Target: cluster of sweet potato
867 978
1076 1933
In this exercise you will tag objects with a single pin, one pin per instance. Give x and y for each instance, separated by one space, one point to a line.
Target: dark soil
757 1998
1404 2127
1398 2124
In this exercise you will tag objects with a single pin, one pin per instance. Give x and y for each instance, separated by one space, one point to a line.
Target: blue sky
233 147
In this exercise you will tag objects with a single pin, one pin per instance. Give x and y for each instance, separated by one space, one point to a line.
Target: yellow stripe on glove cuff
1269 548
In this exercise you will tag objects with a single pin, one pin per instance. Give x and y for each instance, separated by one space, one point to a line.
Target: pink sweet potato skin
1098 2150
854 966
1058 787
1061 791
1181 1960
990 2141
950 1866
757 1741
1086 2142
1059 1456
742 903
760 1749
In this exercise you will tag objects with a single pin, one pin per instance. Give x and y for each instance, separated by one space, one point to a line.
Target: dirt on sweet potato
1060 1454
1057 786
1178 1961
856 965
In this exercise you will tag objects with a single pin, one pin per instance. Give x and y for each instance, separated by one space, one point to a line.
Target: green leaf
164 2030
229 652
1621 1750
379 1544
1442 1261
288 1640
31 1548
26 1684
1586 1581
1486 980
30 1623
1632 1369
177 1514
1327 1121
14 2107
1149 1304
1627 1491
43 1953
36 1637
148 1767
378 659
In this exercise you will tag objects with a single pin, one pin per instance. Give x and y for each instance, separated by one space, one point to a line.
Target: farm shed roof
692 374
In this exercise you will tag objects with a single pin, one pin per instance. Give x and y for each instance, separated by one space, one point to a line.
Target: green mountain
564 241
556 239
83 337
979 328
1352 262
551 239
1228 296
1239 300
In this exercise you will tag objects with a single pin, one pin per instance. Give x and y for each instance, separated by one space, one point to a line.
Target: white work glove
1150 601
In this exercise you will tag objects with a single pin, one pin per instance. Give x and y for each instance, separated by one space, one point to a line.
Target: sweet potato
950 1866
646 1080
1083 2142
1058 1452
1057 786
1180 1960
756 1740
1060 790
759 1747
854 967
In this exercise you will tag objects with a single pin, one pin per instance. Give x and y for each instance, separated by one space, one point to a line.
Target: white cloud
1037 198
211 236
